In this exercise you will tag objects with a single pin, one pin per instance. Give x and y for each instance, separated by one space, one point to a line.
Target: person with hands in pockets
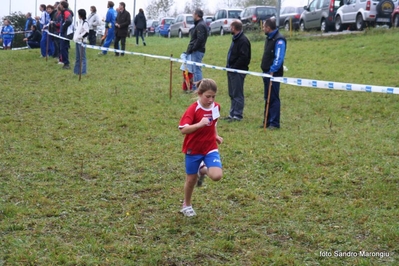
201 140
80 38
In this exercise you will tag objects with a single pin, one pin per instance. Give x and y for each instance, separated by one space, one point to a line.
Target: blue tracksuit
110 25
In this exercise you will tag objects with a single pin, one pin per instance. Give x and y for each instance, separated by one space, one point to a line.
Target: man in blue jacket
273 64
28 24
109 26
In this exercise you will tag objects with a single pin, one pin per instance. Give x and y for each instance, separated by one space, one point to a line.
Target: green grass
92 171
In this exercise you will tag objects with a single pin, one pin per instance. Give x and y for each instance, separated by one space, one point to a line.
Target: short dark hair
34 26
94 9
64 4
111 4
50 6
123 4
271 22
43 6
237 25
199 12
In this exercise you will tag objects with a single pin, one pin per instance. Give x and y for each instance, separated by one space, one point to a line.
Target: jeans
139 33
80 55
197 57
235 83
273 117
109 39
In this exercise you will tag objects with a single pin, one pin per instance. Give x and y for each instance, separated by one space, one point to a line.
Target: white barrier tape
19 48
320 84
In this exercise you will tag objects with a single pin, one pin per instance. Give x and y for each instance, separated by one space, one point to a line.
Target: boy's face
6 22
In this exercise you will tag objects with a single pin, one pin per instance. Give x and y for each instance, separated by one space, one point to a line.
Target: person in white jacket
80 38
94 21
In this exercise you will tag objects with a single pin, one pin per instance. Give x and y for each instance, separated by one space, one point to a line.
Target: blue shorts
7 42
193 161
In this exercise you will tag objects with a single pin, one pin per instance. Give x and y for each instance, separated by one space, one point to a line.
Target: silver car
181 26
222 20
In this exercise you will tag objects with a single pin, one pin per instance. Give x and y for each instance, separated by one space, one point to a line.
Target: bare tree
246 3
159 8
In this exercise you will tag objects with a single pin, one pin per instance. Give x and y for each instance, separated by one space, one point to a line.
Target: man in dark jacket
238 57
33 41
196 47
273 64
121 27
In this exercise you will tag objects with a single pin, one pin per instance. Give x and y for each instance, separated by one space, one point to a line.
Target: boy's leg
213 166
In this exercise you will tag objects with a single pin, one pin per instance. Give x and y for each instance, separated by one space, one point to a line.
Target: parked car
252 17
151 25
181 25
395 17
362 12
290 14
163 26
208 20
222 20
319 14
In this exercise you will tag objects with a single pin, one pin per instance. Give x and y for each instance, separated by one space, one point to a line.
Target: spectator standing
44 20
52 10
57 41
140 24
29 22
273 64
196 47
80 37
66 29
94 22
121 27
109 26
7 34
238 57
33 41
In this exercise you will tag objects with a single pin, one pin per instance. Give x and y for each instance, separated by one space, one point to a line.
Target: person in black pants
140 24
238 57
121 27
273 64
33 41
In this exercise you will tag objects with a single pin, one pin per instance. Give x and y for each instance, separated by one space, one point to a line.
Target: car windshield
266 11
234 13
169 20
190 20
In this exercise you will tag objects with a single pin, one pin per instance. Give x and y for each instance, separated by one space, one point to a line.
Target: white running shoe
188 211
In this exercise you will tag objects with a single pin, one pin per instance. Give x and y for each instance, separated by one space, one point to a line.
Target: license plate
382 20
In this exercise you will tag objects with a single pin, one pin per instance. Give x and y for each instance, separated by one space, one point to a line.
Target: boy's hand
219 140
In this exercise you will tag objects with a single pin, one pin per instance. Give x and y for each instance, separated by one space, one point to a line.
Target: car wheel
323 26
302 26
287 26
396 21
180 34
221 32
338 24
359 22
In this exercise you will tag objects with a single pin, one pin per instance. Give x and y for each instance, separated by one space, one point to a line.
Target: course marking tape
320 84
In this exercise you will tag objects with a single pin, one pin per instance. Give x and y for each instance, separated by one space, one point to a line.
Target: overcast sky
101 5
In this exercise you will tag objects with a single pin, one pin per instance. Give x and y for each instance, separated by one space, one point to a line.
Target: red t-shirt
203 140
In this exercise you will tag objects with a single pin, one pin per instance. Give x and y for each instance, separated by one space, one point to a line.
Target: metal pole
74 15
35 8
10 8
278 13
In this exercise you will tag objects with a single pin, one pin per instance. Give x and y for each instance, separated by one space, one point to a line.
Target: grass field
92 172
